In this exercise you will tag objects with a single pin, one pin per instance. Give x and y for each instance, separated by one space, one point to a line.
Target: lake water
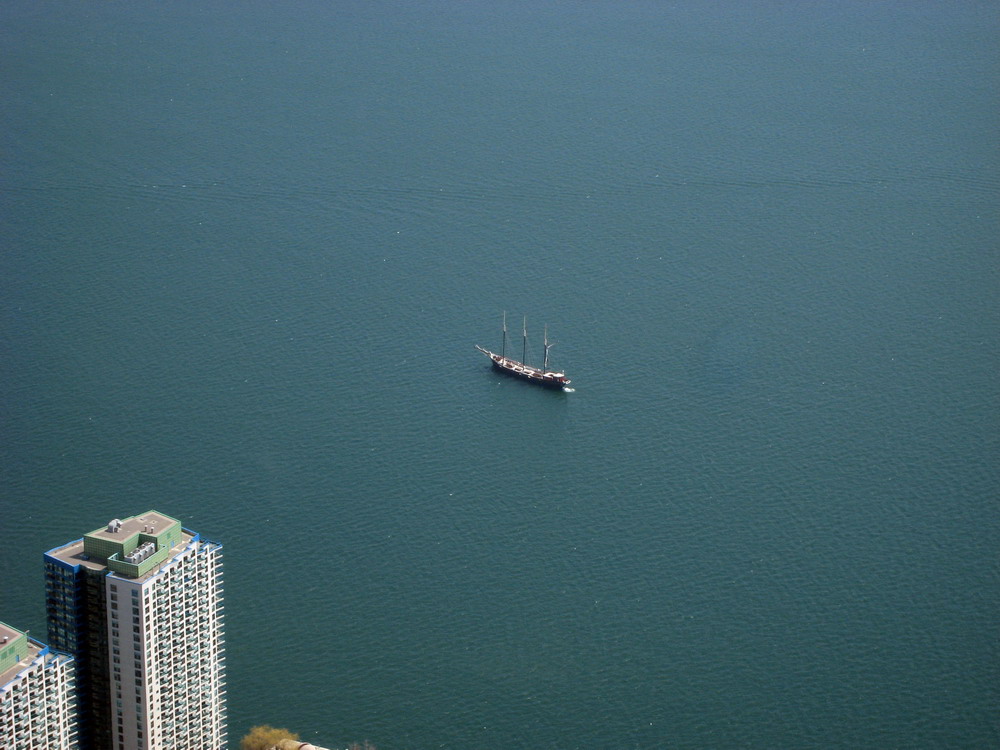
248 248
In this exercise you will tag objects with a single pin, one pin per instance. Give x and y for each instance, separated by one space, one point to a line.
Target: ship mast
503 346
547 345
524 345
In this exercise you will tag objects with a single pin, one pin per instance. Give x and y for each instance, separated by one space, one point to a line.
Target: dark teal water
247 249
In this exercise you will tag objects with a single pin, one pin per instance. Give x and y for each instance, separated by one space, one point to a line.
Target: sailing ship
520 369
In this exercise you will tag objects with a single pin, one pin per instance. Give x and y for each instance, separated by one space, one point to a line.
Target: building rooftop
7 633
73 554
30 647
108 548
185 537
147 523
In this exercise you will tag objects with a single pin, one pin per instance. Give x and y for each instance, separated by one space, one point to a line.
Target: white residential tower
37 695
140 602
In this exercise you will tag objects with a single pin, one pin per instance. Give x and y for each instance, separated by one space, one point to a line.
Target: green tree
265 737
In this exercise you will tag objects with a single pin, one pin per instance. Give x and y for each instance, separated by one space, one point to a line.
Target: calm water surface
247 251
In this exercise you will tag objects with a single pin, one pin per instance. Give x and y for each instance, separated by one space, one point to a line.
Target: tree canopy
265 737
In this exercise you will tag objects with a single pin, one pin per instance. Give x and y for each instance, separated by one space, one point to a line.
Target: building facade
37 695
75 607
150 633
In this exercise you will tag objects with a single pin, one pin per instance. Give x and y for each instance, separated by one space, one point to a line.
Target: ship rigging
519 368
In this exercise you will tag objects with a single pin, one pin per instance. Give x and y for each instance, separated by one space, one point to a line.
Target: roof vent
139 554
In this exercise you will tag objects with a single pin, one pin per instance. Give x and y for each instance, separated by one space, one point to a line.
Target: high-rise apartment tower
139 603
37 694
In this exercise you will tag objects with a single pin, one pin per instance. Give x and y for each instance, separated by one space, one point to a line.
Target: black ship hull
545 378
